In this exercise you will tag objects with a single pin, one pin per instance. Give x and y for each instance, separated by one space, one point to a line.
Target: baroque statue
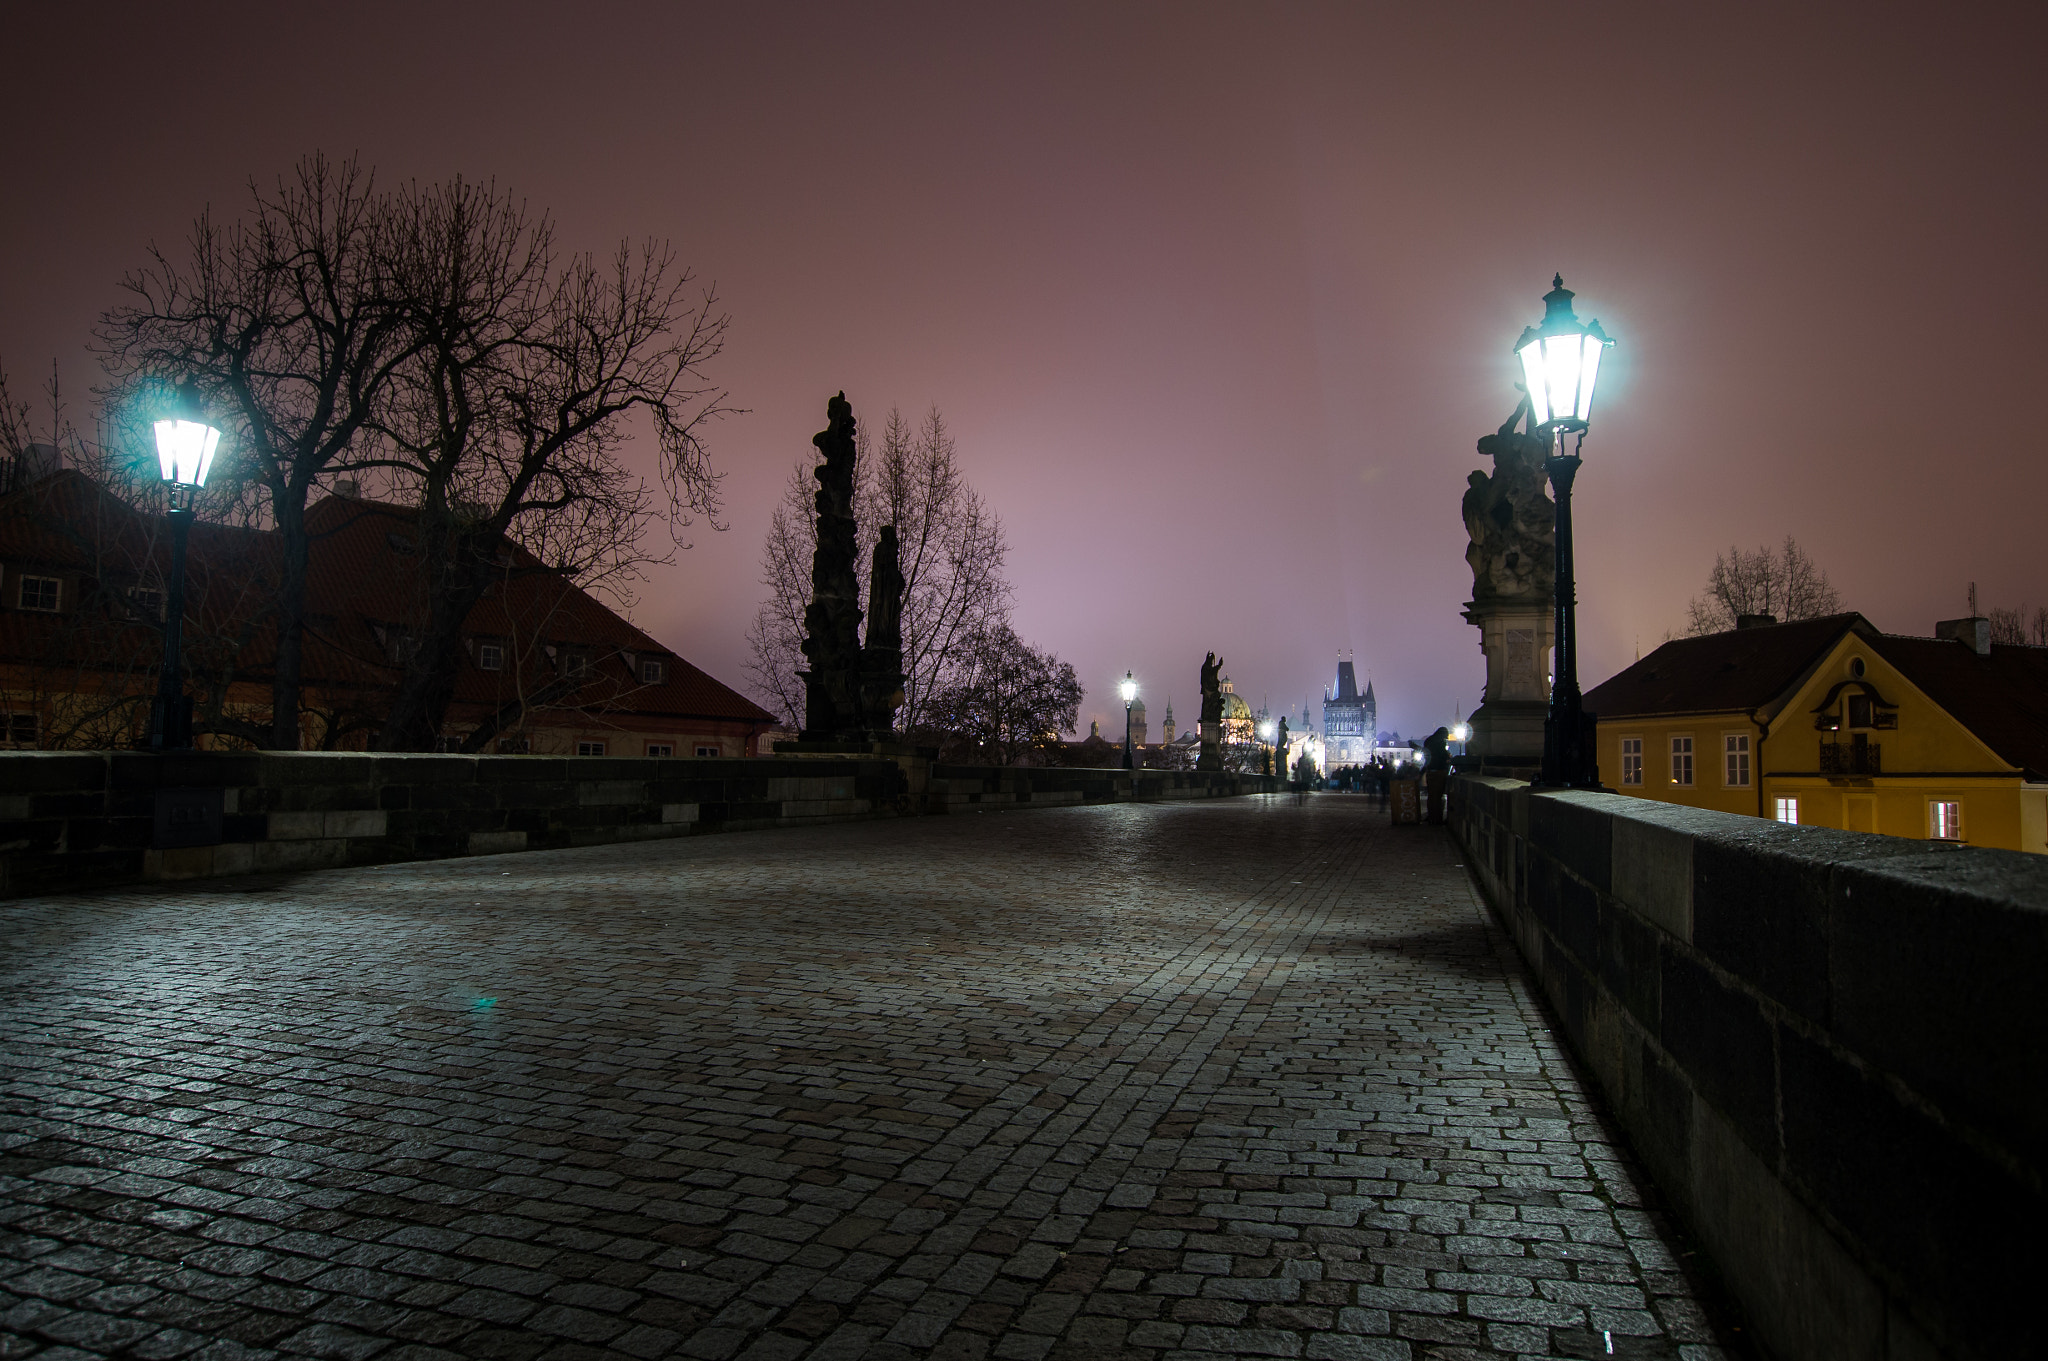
1511 520
1212 716
851 693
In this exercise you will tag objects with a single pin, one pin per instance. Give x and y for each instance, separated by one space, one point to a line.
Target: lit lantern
1561 362
1128 688
185 444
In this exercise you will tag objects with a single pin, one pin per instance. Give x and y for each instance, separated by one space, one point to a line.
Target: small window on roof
652 671
1856 667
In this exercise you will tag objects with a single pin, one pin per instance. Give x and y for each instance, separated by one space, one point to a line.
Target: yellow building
1832 723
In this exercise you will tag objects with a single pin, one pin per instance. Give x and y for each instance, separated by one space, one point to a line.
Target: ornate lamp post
1560 362
1128 688
185 445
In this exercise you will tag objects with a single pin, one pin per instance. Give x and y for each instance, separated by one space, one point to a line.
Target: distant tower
1372 715
1166 732
1138 723
1347 719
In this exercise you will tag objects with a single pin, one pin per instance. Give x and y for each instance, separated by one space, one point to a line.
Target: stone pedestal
1507 729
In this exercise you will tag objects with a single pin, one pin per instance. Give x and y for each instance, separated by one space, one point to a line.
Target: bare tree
2020 626
1006 699
285 322
523 381
1784 583
953 553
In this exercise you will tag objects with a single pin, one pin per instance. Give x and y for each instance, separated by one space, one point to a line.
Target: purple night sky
1216 299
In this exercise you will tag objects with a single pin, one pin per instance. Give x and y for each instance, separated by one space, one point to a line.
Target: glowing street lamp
1560 364
1128 688
185 445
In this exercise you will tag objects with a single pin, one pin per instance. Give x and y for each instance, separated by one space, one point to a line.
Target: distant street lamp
185 446
1267 732
1129 690
1560 363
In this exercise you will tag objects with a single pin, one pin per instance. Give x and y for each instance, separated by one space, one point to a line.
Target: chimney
1755 621
1974 632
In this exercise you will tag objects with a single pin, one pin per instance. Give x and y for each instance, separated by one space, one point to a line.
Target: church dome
1235 709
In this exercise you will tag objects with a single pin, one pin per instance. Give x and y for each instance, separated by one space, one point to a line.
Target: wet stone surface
1245 1078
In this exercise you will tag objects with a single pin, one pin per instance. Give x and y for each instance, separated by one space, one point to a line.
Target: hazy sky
1216 299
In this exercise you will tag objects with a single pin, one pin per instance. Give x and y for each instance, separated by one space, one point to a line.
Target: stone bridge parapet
77 819
1830 1048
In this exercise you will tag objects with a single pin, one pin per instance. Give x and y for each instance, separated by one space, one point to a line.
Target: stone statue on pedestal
1212 716
851 693
881 664
1511 523
1280 750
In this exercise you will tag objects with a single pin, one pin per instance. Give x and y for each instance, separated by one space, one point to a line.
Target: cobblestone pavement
1249 1078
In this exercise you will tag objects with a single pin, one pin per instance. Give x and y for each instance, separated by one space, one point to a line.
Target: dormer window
652 670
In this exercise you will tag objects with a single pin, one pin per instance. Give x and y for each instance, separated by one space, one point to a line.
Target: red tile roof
1720 672
2002 698
361 584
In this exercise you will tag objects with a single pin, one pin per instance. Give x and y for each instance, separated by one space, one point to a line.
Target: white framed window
1632 760
18 730
1788 810
1945 819
575 664
1735 760
661 748
590 748
490 656
1681 761
147 602
703 750
652 670
41 593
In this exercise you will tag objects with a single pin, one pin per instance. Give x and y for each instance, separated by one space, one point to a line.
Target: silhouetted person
1436 768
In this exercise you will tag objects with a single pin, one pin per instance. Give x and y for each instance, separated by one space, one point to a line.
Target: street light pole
1560 363
1129 690
185 446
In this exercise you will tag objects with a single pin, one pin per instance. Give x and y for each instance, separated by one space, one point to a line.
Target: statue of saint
1511 520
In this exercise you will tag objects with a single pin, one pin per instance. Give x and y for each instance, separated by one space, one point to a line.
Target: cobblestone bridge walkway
1247 1078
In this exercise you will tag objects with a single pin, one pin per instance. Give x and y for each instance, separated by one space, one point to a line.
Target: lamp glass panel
1561 367
1130 691
184 451
1532 380
1589 372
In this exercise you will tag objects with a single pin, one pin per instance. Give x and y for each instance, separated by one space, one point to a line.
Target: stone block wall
77 819
1829 1048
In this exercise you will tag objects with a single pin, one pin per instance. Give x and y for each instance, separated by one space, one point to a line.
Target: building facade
1833 723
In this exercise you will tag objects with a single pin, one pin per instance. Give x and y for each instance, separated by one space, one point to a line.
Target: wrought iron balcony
1859 758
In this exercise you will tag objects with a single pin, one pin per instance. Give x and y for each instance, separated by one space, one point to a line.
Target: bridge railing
1829 1048
79 819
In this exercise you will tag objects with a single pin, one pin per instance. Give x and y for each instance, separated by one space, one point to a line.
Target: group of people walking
1428 763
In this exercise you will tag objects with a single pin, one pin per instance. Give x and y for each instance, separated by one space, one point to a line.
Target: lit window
490 657
1681 761
707 751
1788 811
40 593
652 670
18 730
590 748
1632 760
661 748
1735 751
1945 817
